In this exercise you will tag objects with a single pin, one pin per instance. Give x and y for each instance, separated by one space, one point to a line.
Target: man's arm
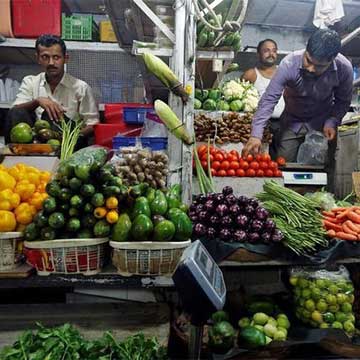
249 75
89 111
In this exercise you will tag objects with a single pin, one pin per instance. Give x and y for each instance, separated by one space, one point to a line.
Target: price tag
217 65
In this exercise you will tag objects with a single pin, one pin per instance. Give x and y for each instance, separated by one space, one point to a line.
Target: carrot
354 217
347 230
345 236
333 220
352 226
328 213
339 209
331 226
343 214
331 233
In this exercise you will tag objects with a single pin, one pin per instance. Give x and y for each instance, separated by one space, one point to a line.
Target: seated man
52 93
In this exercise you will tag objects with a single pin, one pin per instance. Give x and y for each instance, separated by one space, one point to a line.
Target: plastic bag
153 126
323 299
313 151
325 200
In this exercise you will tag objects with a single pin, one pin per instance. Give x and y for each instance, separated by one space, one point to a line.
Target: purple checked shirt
312 102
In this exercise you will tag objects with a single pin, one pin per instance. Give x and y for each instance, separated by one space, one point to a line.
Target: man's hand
330 133
253 146
53 109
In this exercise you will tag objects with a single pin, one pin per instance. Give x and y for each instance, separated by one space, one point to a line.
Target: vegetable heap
235 95
232 219
66 343
223 163
225 127
22 191
296 216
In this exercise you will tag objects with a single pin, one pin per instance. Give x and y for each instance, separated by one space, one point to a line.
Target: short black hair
324 45
262 42
49 40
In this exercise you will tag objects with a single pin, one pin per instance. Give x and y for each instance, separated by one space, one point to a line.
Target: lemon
321 305
310 305
331 299
293 280
324 325
349 327
303 283
336 325
306 314
316 294
306 293
334 308
340 316
320 283
333 289
346 307
316 316
341 298
351 318
351 298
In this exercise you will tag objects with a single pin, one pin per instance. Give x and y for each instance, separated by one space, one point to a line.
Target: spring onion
70 134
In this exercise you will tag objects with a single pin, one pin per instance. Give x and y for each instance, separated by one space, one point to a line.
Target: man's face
51 60
313 67
268 54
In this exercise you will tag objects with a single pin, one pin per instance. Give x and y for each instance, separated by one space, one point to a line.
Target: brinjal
200 208
201 199
225 234
240 236
219 198
256 225
211 233
203 216
214 219
242 221
261 213
194 218
230 199
253 202
243 200
234 209
277 236
210 205
266 237
253 237
249 210
226 221
199 229
222 210
193 207
227 190
269 225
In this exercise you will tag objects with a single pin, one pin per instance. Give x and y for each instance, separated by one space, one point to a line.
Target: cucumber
121 229
164 231
183 225
141 207
141 228
159 206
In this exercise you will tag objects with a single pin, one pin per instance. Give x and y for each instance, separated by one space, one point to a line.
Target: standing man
260 76
317 86
52 93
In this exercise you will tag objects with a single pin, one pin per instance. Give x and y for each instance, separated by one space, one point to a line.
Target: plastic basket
8 241
147 258
79 27
136 116
107 33
154 143
68 256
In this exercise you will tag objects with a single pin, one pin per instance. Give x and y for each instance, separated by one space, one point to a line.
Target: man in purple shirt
317 88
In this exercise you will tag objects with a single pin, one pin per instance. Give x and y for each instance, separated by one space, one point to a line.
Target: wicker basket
147 258
8 241
68 256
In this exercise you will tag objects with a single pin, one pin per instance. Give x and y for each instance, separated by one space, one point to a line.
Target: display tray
32 149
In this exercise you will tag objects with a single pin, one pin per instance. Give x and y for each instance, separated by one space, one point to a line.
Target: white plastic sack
313 151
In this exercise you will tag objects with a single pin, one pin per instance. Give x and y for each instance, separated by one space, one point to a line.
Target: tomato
219 157
258 157
278 173
234 165
204 157
250 172
213 172
254 165
215 165
260 173
234 153
231 172
265 157
249 158
221 173
273 165
240 172
231 158
281 161
244 164
263 165
213 150
224 165
269 173
202 149
204 164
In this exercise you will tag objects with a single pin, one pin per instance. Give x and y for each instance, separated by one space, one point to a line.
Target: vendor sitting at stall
260 76
317 88
52 93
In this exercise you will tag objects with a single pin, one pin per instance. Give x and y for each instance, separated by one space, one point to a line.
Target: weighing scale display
303 176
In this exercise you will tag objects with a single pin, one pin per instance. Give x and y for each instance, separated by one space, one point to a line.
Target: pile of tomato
223 163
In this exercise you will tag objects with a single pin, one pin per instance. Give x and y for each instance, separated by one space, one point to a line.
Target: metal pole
196 334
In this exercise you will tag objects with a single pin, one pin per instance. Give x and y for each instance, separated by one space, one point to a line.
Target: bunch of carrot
343 223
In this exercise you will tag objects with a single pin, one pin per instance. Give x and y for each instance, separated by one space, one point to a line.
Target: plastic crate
136 116
79 27
154 143
31 18
114 113
104 133
107 33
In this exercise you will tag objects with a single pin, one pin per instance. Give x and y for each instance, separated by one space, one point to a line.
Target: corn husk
172 122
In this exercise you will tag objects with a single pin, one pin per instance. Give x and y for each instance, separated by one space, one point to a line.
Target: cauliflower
233 90
250 103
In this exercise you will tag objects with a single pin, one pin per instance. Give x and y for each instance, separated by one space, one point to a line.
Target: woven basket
8 241
147 258
68 256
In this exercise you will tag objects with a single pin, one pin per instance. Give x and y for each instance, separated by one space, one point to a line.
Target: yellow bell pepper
6 181
24 213
15 173
112 217
41 187
36 200
9 200
100 212
34 177
25 189
7 221
45 176
112 202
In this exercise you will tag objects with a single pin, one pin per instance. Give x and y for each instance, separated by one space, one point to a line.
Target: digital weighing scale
201 287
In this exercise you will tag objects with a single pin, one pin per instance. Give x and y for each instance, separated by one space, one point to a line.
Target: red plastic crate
114 113
32 18
104 133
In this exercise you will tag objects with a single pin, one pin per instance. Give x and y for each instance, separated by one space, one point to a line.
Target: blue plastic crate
136 116
154 143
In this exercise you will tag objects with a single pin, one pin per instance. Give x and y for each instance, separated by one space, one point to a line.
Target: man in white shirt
260 76
53 93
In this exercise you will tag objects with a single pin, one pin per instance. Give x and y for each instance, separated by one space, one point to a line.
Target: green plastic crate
79 27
